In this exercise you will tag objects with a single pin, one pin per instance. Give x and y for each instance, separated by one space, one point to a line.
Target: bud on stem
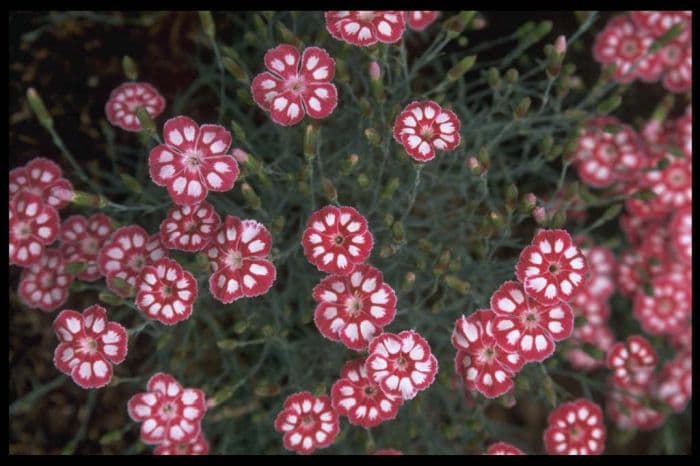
147 123
251 198
464 65
39 109
89 200
130 69
207 23
310 137
375 81
233 67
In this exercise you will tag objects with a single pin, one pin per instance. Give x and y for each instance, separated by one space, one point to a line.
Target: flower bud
82 198
511 197
474 166
373 136
454 282
493 77
131 71
236 70
240 155
329 189
609 104
363 180
464 65
39 109
147 123
408 281
391 186
529 202
397 232
207 24
375 81
522 108
251 198
560 45
310 137
539 214
349 163
512 76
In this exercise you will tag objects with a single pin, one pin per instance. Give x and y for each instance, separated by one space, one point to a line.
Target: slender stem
416 183
58 142
217 53
28 400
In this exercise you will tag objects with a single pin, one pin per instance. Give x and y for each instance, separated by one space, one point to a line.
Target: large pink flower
169 413
307 422
353 308
364 28
238 258
81 241
423 128
126 98
44 178
402 365
295 87
480 362
336 239
89 345
552 268
45 283
575 428
166 292
128 251
527 327
193 161
354 395
189 228
33 226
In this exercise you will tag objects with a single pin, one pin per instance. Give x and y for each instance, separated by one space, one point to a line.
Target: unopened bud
147 123
522 108
511 197
542 29
493 77
397 232
408 281
390 188
236 70
479 23
373 136
558 219
474 166
375 71
329 189
251 198
39 109
458 284
207 24
349 163
560 45
464 65
310 137
240 155
89 200
529 202
512 76
539 214
362 180
130 69
366 108
496 219
376 83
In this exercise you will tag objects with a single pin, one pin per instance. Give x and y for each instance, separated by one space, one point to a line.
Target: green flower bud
207 24
39 109
131 71
251 198
236 70
464 65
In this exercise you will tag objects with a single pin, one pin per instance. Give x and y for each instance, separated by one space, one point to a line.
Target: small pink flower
365 28
503 448
168 412
666 310
89 345
308 422
336 239
43 178
600 283
552 268
419 20
45 283
189 228
125 99
402 365
599 336
81 241
33 226
353 308
238 258
165 291
632 362
480 362
424 127
560 45
575 428
524 326
658 22
672 185
199 446
675 385
295 87
631 409
128 251
193 161
354 395
684 132
626 45
680 78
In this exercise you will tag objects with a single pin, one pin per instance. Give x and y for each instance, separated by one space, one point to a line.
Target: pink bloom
353 308
599 336
552 268
189 228
81 241
33 226
402 365
626 45
480 362
43 178
128 251
630 409
503 448
632 362
601 262
45 283
424 127
238 258
125 99
168 412
419 20
199 446
658 22
295 87
560 45
89 345
672 185
307 422
666 310
354 395
522 325
680 78
388 452
675 385
575 428
193 161
684 132
336 239
364 28
166 291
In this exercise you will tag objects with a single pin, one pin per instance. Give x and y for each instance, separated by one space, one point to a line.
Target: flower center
89 246
629 48
554 268
608 152
487 354
665 305
677 179
427 132
365 15
369 391
167 411
575 434
307 421
338 240
401 363
137 262
193 160
190 226
353 305
167 291
23 230
234 260
296 84
88 345
46 280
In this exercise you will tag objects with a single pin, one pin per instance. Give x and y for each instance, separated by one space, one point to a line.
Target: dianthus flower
81 241
419 20
633 362
667 309
675 387
165 291
44 178
575 428
126 98
189 228
33 226
307 422
199 446
424 127
503 448
364 28
45 283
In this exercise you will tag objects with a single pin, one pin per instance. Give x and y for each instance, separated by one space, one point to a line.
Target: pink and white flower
681 231
33 226
354 395
238 258
168 412
667 309
126 98
199 446
189 228
128 251
503 448
419 20
365 28
675 387
575 428
293 86
633 362
307 422
552 268
44 178
166 292
193 161
89 345
402 365
423 128
81 241
631 409
336 239
45 283
353 308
